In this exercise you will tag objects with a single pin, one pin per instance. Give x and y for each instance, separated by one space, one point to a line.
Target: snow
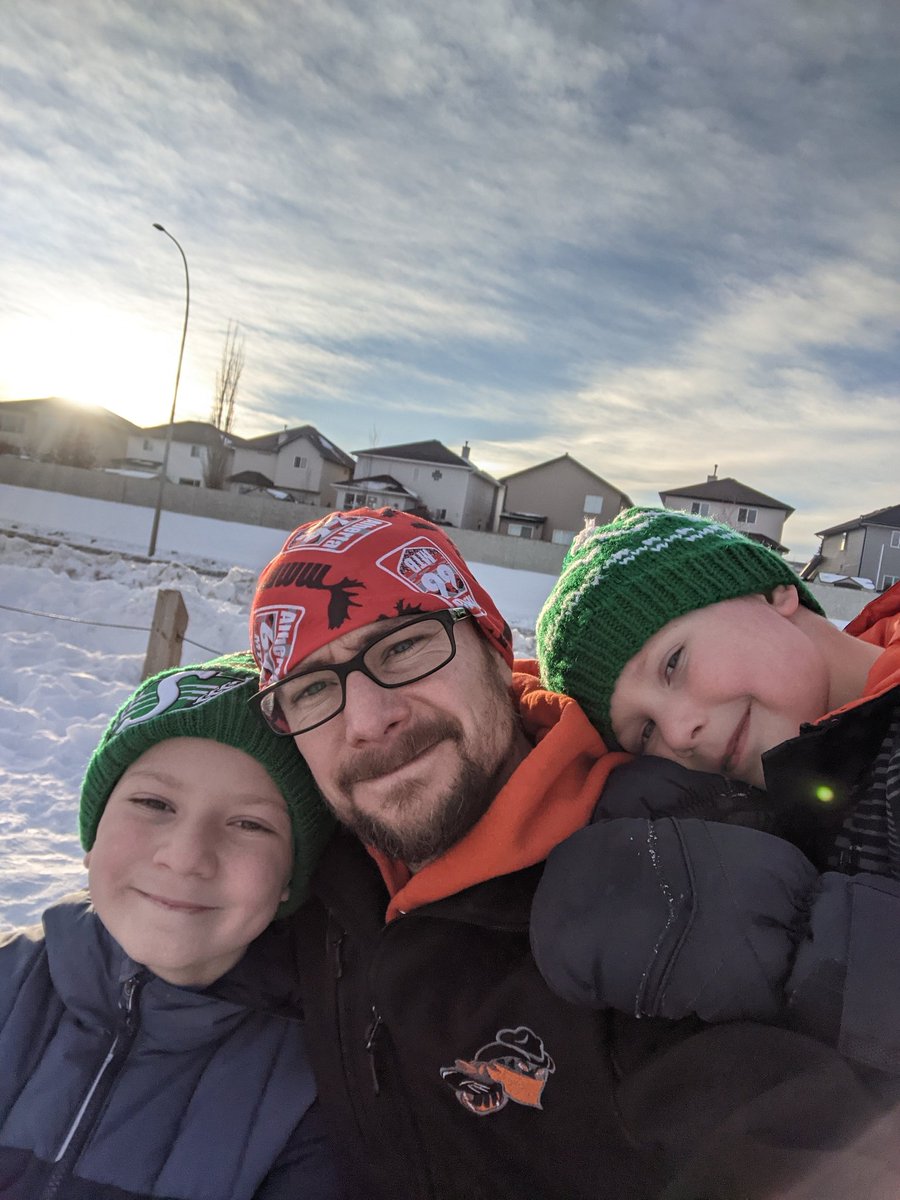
77 595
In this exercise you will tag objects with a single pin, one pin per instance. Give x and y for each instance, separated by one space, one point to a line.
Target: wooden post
170 620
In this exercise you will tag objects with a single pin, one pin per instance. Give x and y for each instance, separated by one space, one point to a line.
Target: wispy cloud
656 235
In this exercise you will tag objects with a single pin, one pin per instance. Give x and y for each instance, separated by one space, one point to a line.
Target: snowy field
75 611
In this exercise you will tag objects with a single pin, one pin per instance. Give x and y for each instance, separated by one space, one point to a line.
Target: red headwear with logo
351 569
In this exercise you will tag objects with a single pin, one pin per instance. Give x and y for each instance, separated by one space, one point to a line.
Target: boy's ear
785 599
86 861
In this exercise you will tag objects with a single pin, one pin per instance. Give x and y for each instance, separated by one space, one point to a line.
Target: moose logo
515 1066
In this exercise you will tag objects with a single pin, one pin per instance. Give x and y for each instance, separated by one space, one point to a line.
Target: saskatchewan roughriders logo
178 692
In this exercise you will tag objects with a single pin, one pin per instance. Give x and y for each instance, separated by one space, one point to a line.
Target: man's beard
415 832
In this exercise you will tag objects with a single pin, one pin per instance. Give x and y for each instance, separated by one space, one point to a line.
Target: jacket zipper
74 1140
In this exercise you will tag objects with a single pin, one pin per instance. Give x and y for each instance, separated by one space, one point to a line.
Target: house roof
203 432
580 465
889 517
730 491
377 483
328 450
55 403
431 451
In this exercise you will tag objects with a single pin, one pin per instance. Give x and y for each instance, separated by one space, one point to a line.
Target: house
375 491
448 487
188 451
299 461
867 547
60 431
733 503
550 501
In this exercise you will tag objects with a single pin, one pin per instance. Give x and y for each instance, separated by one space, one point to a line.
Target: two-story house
59 430
867 547
551 500
299 461
188 450
446 487
733 503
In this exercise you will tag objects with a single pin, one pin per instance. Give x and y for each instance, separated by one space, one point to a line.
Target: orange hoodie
551 793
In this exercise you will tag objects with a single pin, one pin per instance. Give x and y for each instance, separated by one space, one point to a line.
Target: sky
658 235
74 625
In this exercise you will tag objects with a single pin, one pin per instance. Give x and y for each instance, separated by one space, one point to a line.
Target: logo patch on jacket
515 1066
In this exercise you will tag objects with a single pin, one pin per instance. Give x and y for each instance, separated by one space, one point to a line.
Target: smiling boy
145 1042
700 651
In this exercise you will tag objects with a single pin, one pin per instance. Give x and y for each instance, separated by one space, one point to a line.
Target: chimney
712 478
465 451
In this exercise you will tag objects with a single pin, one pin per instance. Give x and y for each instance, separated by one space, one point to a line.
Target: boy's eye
153 803
672 662
646 733
252 826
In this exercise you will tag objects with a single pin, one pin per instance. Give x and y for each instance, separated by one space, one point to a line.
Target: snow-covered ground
75 611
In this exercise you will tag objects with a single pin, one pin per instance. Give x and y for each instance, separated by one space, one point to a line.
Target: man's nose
372 712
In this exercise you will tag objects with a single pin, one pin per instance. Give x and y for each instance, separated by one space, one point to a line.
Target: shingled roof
728 491
431 451
889 517
328 450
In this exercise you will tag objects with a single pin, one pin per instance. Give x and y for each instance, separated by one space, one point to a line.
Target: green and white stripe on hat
620 583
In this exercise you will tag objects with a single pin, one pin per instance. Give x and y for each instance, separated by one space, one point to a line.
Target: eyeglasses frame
448 617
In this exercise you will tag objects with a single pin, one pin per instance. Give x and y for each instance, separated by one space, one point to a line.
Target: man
450 1068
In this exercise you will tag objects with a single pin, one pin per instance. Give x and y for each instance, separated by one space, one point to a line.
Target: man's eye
307 691
404 646
672 662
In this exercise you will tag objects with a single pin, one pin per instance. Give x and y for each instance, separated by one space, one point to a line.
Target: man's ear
785 599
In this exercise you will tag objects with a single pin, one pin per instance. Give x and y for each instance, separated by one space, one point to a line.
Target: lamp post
165 462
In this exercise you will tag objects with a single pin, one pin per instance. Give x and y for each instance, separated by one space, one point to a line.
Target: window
440 514
12 423
889 581
190 482
562 537
195 451
522 531
746 516
895 539
699 509
148 444
299 461
594 505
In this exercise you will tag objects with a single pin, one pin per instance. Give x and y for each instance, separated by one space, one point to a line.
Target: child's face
716 688
192 857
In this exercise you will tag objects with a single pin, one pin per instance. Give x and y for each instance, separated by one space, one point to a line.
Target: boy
685 641
143 1035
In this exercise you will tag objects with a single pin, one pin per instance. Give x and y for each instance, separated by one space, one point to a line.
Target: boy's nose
372 712
682 727
187 851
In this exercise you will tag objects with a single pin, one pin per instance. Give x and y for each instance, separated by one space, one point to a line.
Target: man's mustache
378 761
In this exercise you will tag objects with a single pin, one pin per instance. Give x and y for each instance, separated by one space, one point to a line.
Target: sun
94 355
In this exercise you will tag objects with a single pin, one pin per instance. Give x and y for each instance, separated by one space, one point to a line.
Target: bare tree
228 377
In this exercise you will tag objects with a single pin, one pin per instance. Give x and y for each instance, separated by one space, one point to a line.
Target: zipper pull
371 1034
337 948
128 1000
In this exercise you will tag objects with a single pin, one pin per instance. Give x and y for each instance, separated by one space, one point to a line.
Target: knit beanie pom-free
620 583
210 700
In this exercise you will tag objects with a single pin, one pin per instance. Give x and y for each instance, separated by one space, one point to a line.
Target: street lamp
165 462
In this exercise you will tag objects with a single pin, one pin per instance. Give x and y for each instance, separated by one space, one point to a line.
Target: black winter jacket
115 1085
679 900
452 1072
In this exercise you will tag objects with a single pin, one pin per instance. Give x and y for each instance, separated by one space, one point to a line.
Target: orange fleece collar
551 793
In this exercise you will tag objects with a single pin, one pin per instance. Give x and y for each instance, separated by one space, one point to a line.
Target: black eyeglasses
404 654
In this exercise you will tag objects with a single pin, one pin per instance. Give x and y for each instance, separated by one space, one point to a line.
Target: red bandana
350 569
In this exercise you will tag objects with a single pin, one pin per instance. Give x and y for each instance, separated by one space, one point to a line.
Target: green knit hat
210 700
622 582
